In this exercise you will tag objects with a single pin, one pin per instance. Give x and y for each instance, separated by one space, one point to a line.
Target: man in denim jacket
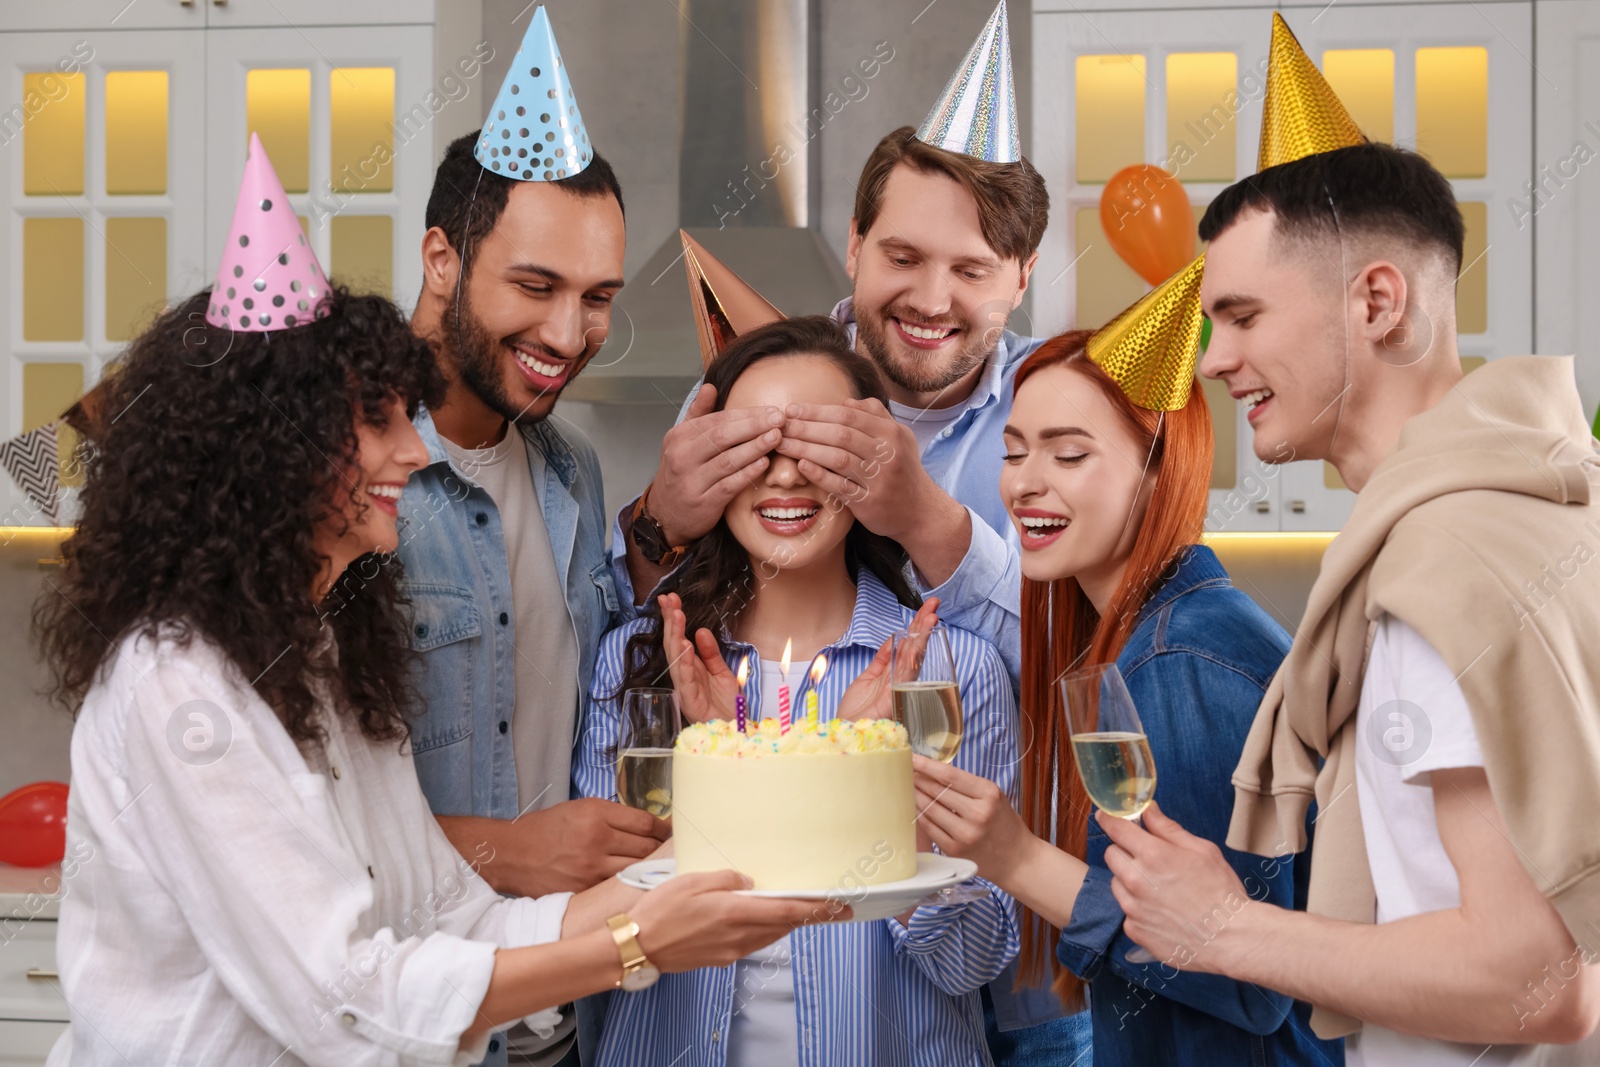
507 522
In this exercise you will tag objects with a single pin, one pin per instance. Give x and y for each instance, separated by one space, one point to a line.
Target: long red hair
1179 446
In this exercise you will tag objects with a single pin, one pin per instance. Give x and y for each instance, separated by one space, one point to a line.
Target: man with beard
947 224
504 540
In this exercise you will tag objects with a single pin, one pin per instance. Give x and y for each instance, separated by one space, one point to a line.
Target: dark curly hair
202 497
715 580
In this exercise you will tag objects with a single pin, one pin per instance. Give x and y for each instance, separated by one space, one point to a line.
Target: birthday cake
825 806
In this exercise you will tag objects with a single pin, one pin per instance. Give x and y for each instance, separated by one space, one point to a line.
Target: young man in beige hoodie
1441 702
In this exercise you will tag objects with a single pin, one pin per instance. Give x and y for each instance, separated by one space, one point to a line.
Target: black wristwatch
651 539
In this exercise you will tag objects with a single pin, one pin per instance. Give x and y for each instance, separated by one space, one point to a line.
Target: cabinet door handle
39 974
1297 506
1262 507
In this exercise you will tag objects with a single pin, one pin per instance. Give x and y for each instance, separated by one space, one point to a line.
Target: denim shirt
1197 664
453 551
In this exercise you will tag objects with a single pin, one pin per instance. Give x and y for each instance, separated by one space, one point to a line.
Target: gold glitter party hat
1151 348
977 113
1301 115
725 305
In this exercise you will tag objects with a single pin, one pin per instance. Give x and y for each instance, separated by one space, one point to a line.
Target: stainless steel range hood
747 182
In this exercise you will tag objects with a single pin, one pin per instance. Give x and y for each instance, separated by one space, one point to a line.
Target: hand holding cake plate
852 837
938 881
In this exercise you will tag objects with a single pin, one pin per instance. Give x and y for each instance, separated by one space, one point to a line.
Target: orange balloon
1146 216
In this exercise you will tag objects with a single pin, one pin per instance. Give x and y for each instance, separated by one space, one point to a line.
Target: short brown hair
1013 205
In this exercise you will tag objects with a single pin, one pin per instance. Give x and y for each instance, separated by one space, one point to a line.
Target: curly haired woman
265 883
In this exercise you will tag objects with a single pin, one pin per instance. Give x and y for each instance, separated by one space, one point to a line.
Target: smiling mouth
386 496
552 371
925 333
1039 528
788 520
1251 401
788 514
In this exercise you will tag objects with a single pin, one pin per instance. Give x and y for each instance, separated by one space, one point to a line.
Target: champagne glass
651 720
1110 747
927 700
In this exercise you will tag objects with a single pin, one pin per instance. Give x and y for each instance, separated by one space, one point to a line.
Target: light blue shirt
875 994
984 594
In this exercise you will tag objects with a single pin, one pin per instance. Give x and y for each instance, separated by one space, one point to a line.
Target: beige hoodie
1482 531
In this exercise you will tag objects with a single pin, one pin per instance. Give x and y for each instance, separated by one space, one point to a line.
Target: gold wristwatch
637 970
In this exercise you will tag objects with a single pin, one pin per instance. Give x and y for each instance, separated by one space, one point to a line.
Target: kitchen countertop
30 892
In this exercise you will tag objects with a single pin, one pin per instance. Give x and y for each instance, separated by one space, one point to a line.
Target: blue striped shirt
876 994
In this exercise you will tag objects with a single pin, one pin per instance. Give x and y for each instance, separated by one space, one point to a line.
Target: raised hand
706 688
869 696
706 460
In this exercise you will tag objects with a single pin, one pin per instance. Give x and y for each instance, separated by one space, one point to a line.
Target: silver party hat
977 113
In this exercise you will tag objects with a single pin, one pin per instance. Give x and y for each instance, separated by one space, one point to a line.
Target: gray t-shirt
544 652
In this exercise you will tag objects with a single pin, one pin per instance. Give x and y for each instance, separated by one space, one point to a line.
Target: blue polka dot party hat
534 131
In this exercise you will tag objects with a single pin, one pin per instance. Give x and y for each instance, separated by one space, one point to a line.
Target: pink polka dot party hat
269 278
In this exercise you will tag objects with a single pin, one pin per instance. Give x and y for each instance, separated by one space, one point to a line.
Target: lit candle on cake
819 667
783 690
738 699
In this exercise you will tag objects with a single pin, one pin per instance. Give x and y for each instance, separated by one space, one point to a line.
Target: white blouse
238 900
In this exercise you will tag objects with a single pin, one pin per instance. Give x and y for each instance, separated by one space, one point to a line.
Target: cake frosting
821 807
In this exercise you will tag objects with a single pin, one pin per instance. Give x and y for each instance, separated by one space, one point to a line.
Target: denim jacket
453 550
1197 663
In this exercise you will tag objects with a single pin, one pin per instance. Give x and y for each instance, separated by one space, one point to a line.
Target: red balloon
1146 216
33 825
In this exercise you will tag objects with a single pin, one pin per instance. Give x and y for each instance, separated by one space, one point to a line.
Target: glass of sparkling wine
651 720
927 701
1110 747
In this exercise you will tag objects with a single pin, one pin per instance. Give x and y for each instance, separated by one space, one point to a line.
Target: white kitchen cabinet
99 16
1562 205
129 146
33 1012
27 1044
1181 87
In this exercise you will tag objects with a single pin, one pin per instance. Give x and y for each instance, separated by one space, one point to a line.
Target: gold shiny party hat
1151 348
725 305
1301 115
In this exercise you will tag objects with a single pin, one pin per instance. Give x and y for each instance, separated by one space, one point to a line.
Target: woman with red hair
1109 499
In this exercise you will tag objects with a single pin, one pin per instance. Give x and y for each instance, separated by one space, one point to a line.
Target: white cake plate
933 883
